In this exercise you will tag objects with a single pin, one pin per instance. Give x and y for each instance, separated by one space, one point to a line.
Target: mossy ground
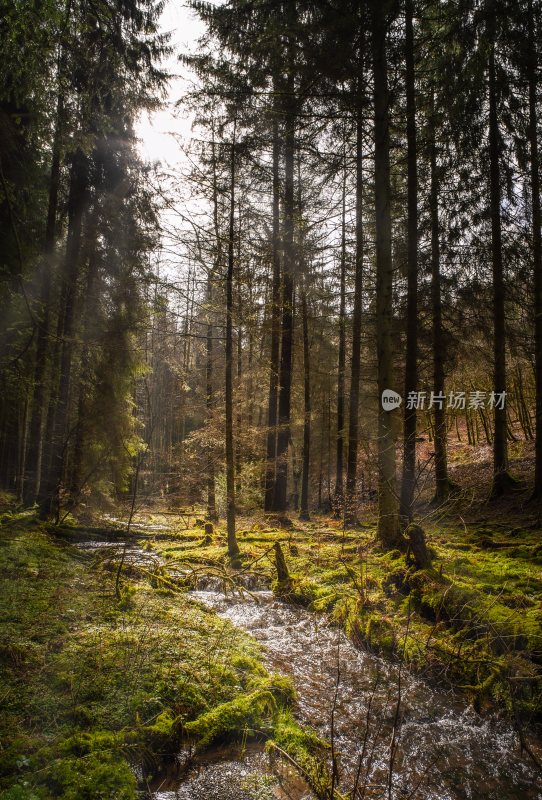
473 622
94 686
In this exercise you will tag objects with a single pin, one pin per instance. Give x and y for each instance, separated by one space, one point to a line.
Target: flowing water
443 750
383 722
231 773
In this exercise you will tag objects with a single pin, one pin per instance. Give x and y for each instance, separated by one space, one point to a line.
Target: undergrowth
97 686
97 690
473 622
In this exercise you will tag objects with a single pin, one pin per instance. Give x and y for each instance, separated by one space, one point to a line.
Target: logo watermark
453 401
390 400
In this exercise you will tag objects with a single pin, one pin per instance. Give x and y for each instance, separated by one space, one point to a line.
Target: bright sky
157 131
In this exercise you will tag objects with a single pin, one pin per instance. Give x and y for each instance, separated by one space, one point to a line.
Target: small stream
443 749
231 773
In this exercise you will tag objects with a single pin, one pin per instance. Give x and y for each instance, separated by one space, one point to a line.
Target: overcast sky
155 130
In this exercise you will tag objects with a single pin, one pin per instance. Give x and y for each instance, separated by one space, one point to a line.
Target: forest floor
98 690
472 622
98 681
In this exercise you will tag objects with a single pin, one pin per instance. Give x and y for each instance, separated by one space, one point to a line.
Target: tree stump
280 521
283 575
209 530
417 547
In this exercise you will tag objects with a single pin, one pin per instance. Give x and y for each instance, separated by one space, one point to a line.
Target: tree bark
388 527
285 376
21 439
442 482
51 483
532 71
271 451
239 375
187 330
31 487
283 575
339 488
212 513
304 508
233 548
411 361
501 478
417 547
353 402
76 482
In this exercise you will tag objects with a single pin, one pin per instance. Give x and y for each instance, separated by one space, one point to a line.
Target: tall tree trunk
239 370
187 326
212 514
77 202
339 488
31 486
532 67
285 375
271 450
54 379
353 403
209 403
8 454
388 527
501 478
76 481
442 482
22 437
233 549
304 508
321 457
411 362
329 459
239 421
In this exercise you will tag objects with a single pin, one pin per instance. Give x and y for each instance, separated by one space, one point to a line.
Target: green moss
163 734
90 682
251 713
397 580
306 749
325 600
98 775
157 666
247 665
380 633
19 792
299 591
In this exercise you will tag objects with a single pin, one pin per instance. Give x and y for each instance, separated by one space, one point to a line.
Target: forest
271 409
